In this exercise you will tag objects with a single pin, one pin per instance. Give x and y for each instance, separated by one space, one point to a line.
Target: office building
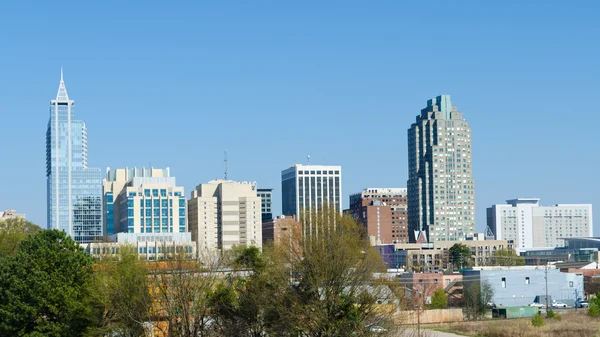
143 200
310 187
530 225
280 228
266 207
74 191
151 247
383 212
441 193
224 213
11 214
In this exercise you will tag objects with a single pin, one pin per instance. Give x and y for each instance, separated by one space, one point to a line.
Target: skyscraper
266 196
441 194
225 213
310 187
74 191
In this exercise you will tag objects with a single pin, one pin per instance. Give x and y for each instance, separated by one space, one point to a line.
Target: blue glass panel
165 203
165 212
130 202
156 212
155 192
148 211
130 212
181 202
132 194
182 212
148 203
156 203
147 192
163 193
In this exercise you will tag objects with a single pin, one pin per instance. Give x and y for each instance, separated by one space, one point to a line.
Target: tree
507 257
476 297
45 288
12 232
460 255
336 293
121 293
439 300
594 306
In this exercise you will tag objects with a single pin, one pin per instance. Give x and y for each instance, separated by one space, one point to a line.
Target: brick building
383 211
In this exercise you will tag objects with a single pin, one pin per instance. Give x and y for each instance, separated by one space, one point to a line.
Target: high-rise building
310 187
266 196
224 213
383 211
74 191
143 200
441 194
527 224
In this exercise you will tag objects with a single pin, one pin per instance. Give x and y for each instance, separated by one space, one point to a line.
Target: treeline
322 283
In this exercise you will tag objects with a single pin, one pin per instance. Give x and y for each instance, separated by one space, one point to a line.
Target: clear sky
175 83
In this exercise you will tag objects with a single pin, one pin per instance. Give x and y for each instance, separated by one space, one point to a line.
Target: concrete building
441 189
427 257
383 211
224 213
519 286
266 207
281 228
310 188
143 200
155 246
74 191
11 214
530 225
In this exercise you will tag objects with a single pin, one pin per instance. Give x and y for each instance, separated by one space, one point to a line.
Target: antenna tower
225 163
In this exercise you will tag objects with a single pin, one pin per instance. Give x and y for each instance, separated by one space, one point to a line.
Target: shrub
439 299
594 311
550 314
538 320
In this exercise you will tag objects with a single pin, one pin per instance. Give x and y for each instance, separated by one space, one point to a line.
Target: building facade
383 212
11 214
266 207
151 247
280 228
143 200
441 189
530 225
520 286
310 187
224 213
74 191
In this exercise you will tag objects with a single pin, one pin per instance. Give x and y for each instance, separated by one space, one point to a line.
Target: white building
150 246
224 213
310 187
530 225
11 214
143 200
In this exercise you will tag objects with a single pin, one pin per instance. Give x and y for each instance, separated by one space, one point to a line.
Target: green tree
594 306
336 293
121 293
460 255
45 288
538 321
12 232
439 299
507 257
476 297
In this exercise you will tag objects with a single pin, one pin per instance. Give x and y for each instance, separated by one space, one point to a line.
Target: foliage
45 288
121 294
594 306
476 296
248 258
12 232
460 255
439 299
550 313
507 257
335 293
538 320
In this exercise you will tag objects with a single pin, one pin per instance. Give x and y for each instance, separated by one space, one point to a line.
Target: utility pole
546 277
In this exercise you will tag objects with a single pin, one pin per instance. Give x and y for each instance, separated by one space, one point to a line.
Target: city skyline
521 97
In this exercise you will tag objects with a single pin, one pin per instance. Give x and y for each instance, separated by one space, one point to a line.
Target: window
182 212
148 203
504 282
570 284
181 202
147 192
527 280
156 203
163 193
155 192
129 202
165 203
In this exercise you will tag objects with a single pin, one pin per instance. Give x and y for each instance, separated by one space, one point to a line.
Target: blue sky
178 83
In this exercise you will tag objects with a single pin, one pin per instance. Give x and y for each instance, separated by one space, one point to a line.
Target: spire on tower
62 95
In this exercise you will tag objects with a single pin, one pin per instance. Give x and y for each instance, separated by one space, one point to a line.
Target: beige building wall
224 213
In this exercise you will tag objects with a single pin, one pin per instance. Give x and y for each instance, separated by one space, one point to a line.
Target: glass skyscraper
74 191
